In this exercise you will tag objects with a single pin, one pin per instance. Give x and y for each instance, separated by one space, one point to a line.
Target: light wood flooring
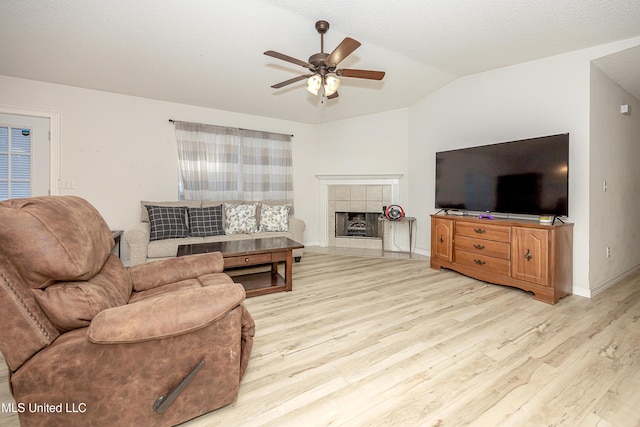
385 342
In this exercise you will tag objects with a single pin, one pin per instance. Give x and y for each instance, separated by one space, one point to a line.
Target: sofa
165 225
90 342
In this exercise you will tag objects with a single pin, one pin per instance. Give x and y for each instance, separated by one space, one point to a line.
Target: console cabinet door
442 239
530 255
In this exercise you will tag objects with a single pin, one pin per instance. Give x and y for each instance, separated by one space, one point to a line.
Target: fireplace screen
357 224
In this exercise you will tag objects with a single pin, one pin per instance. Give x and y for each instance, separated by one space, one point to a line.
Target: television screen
529 176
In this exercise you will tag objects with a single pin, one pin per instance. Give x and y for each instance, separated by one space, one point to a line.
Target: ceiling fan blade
333 95
343 50
293 80
288 58
361 74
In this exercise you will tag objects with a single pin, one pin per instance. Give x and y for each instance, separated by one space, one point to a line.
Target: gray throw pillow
167 222
205 222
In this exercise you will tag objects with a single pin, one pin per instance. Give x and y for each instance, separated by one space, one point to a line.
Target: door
442 239
24 156
530 255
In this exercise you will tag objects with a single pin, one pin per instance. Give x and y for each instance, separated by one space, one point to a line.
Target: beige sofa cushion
169 247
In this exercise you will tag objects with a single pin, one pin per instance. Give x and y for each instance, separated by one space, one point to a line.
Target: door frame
54 139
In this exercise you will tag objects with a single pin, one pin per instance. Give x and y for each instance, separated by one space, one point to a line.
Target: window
221 163
15 163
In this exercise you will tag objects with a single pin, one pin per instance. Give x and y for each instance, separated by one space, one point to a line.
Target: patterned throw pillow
205 222
167 222
240 219
274 218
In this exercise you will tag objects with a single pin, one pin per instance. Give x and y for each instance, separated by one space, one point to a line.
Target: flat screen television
529 176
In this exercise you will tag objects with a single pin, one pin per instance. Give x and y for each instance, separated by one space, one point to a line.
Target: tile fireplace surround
363 193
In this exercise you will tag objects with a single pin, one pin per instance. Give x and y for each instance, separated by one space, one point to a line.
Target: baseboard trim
582 292
606 284
422 252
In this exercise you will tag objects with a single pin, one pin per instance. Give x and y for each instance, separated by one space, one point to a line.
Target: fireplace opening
357 224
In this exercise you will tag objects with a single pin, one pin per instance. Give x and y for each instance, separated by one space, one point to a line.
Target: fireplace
359 194
357 224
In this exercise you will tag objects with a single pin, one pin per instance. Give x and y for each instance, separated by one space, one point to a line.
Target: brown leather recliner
89 342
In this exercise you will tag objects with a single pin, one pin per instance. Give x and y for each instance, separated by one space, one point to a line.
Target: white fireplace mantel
392 180
383 178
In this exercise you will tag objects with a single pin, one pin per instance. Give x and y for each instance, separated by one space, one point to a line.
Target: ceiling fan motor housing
319 65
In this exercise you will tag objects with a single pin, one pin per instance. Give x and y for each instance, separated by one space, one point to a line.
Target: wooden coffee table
252 252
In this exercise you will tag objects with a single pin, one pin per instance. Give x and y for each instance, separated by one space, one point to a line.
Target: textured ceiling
209 53
623 68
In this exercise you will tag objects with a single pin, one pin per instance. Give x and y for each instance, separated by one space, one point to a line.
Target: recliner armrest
166 315
158 273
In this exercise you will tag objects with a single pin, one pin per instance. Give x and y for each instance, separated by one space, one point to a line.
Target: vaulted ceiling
210 53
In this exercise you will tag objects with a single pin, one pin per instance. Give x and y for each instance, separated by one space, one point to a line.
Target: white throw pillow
240 219
274 218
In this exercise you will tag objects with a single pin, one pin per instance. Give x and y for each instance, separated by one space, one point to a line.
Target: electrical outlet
604 186
67 184
608 252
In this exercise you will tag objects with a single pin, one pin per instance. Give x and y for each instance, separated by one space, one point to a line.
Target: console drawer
239 261
484 247
482 262
496 233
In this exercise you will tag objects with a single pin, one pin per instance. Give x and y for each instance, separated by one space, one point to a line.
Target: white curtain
221 163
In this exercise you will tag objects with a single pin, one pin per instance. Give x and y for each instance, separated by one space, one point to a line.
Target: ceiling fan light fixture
331 85
314 83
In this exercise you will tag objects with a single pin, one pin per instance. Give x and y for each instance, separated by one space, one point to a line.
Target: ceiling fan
323 66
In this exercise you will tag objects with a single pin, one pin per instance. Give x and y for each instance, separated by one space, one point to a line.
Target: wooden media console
535 257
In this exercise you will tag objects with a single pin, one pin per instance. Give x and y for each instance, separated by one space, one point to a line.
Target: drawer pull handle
479 261
480 230
528 255
478 246
246 260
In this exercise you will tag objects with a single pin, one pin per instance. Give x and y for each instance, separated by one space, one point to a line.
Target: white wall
615 151
376 143
121 149
371 144
537 98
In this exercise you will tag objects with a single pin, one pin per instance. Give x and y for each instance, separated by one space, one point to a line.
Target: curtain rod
251 130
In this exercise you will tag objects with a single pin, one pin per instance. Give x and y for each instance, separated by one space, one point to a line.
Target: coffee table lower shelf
262 283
